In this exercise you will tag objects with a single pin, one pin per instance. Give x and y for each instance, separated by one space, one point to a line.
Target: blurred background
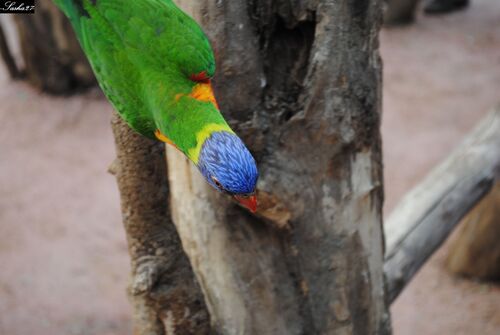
63 254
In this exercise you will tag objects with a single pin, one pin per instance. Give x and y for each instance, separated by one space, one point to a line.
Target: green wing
161 30
132 44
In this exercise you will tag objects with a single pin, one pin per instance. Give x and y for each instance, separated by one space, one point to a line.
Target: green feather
143 54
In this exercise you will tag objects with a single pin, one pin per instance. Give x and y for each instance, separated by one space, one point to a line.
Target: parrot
155 65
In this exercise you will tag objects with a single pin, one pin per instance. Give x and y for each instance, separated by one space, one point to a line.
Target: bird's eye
218 184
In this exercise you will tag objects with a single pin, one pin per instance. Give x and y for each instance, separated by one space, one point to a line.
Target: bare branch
428 213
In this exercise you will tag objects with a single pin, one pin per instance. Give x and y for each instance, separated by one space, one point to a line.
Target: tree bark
301 83
54 61
163 290
476 250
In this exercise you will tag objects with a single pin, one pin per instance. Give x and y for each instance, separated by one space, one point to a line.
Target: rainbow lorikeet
154 64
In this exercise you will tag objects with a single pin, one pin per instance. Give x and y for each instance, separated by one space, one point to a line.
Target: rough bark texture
54 61
163 290
300 82
398 12
476 250
429 212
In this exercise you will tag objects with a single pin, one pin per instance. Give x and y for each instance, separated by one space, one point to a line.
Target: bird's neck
202 136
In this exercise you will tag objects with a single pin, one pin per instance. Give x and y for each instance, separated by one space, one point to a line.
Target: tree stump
300 81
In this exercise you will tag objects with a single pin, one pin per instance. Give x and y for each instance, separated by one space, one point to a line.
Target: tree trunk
301 82
54 61
163 291
476 250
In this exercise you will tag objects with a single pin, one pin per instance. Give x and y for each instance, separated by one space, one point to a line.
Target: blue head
229 167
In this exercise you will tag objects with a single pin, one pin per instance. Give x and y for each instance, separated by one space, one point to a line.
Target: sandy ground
63 257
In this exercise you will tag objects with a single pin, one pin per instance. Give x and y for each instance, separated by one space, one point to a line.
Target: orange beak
249 202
